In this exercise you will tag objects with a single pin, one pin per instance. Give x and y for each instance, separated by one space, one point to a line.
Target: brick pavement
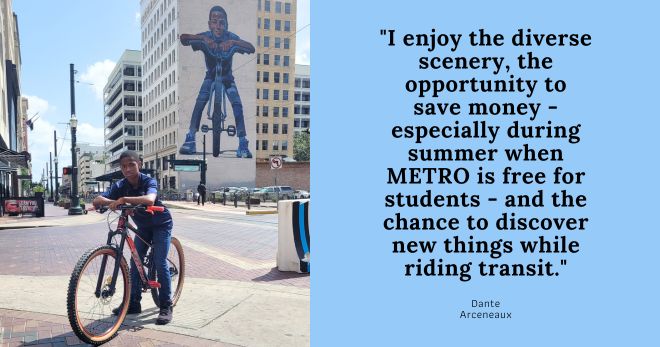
21 328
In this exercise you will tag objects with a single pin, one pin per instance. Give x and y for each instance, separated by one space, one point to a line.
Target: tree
301 146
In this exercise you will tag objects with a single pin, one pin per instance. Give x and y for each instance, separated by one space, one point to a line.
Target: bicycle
217 104
96 285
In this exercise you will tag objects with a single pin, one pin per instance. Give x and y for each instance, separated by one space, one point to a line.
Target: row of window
276 61
276 128
301 96
276 77
302 82
162 124
301 109
276 111
301 123
279 42
278 6
265 94
277 145
278 24
161 142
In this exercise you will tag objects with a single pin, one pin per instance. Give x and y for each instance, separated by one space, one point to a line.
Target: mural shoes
243 151
188 146
133 308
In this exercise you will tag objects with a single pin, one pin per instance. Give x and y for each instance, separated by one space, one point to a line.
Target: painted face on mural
217 23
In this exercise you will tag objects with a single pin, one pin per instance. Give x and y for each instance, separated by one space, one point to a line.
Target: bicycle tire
82 326
180 268
217 129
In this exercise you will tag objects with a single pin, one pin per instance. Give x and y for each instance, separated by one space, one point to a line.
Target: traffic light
66 170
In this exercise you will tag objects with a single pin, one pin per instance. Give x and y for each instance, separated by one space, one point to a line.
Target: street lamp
75 208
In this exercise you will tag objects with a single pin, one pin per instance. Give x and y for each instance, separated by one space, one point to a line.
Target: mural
218 88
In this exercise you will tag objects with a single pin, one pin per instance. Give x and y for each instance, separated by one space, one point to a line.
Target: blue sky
91 34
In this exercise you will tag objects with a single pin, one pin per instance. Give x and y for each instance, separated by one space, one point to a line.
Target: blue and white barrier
293 236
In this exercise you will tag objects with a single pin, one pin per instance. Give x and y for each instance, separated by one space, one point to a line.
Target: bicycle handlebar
218 54
149 209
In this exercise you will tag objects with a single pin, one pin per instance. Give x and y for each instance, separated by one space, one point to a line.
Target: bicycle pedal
153 284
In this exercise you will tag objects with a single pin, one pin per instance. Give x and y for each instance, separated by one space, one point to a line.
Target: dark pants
201 197
202 99
160 237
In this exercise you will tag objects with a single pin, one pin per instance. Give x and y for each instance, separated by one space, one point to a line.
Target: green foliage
301 146
38 188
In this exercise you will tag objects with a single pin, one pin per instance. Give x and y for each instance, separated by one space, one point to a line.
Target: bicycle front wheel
89 310
176 262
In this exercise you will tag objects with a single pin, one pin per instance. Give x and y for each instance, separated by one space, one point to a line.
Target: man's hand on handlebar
113 205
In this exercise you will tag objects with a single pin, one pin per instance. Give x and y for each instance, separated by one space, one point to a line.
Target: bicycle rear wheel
90 315
177 263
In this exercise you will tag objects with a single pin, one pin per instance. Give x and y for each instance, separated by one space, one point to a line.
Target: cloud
40 140
97 74
137 17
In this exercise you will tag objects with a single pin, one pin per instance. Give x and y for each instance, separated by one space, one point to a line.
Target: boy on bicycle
137 188
217 38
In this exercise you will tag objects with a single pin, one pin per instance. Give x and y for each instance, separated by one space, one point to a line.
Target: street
233 293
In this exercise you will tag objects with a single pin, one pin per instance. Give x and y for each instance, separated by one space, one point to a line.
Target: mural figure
218 45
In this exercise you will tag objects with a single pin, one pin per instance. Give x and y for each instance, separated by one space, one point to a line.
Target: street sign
187 168
275 162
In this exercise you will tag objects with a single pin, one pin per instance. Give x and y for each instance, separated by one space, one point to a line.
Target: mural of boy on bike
213 43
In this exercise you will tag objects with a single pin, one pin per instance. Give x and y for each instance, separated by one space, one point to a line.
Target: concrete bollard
293 252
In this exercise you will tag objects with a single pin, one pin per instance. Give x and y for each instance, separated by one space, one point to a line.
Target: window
267 5
305 96
276 128
276 111
278 25
304 110
278 7
277 60
285 129
258 75
285 95
259 8
287 8
276 94
286 60
264 145
296 123
296 109
257 131
266 77
257 110
276 77
266 41
285 145
258 40
258 58
287 25
266 24
285 77
285 111
305 82
296 96
264 111
276 145
258 145
264 128
278 42
304 123
265 94
286 43
259 23
257 93
266 59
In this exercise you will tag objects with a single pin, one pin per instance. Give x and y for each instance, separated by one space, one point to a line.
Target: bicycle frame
122 230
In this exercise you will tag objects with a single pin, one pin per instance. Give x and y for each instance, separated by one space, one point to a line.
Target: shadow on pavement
275 275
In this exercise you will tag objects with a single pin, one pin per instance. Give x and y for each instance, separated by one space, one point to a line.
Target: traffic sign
275 162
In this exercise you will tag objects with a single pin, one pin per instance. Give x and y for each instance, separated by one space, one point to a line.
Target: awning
10 160
117 175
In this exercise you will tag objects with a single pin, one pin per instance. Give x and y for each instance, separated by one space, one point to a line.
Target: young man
217 38
137 188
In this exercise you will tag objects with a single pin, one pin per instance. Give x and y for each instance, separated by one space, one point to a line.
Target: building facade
123 108
301 99
276 54
176 114
91 164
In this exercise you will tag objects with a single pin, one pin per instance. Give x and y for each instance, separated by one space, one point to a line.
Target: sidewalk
54 216
229 208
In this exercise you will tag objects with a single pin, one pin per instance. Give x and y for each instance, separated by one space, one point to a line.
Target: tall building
123 108
276 52
91 164
301 99
12 109
177 64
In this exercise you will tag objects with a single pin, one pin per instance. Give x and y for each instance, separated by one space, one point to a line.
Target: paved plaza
233 293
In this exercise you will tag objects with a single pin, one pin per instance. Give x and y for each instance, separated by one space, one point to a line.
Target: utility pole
203 178
57 181
75 208
50 155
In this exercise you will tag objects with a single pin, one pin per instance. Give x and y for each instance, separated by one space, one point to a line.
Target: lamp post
57 180
75 208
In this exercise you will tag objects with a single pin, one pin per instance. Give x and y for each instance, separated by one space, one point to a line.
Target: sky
92 35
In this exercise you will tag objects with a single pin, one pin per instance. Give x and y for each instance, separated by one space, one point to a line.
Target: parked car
273 193
301 194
